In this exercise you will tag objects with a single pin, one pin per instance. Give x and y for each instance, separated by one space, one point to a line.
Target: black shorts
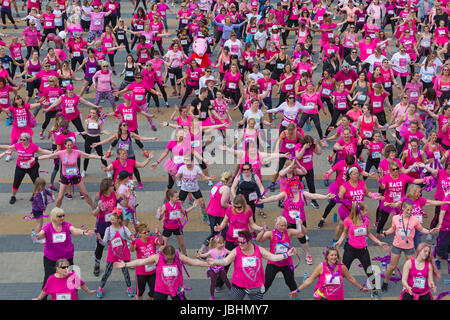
444 244
37 214
294 226
183 194
168 232
72 180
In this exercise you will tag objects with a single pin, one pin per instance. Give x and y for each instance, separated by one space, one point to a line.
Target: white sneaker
8 158
108 174
42 241
83 174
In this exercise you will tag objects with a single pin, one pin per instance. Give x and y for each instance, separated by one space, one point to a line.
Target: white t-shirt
403 66
257 116
256 76
428 74
234 46
372 59
261 39
202 81
189 181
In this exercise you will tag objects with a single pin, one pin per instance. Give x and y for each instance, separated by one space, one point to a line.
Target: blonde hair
412 189
280 219
214 241
53 214
355 213
240 199
141 227
39 184
225 176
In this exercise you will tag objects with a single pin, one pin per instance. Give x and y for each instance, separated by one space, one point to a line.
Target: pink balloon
51 36
57 39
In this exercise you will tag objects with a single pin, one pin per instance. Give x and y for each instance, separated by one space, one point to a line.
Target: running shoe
154 128
210 183
174 94
41 136
263 214
96 270
309 260
324 143
8 158
81 196
114 72
315 204
330 159
320 224
83 174
87 90
130 292
219 289
384 287
12 200
68 196
99 292
108 174
53 188
212 298
140 185
374 295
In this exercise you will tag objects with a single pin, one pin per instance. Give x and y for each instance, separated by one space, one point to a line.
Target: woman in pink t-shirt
357 227
169 281
70 174
58 241
63 284
26 163
145 246
248 274
404 226
330 274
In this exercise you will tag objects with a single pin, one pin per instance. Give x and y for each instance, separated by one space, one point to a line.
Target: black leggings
14 68
316 120
310 180
160 46
328 209
229 246
5 13
55 167
48 116
20 173
174 74
77 60
383 218
213 220
137 5
188 91
334 118
288 274
111 59
371 162
362 255
289 24
88 149
214 277
79 125
108 270
329 104
29 49
142 281
163 91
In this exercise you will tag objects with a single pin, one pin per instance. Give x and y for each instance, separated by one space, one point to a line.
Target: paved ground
21 269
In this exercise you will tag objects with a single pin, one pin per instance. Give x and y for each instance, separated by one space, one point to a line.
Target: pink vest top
280 247
117 244
172 219
248 271
418 279
329 286
168 277
214 206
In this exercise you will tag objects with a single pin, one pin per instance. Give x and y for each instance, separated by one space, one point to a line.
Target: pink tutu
207 122
333 188
171 167
218 121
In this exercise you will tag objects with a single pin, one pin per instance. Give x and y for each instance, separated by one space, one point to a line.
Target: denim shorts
408 252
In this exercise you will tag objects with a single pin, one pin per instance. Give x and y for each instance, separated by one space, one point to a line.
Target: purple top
58 245
39 201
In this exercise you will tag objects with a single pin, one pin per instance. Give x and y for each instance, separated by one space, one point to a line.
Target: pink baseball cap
69 86
127 95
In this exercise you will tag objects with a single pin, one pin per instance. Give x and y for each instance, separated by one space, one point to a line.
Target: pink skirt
218 121
171 167
333 188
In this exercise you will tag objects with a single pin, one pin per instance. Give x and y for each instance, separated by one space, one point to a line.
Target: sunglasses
238 207
124 125
22 139
246 169
290 98
145 232
61 216
394 169
64 267
405 98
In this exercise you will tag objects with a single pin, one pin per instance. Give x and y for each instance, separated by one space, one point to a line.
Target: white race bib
3 101
280 249
116 242
336 280
128 116
108 217
93 125
76 54
63 296
170 271
362 231
376 155
59 237
252 196
294 214
236 233
71 171
342 105
174 215
178 159
21 123
150 267
348 82
307 158
70 110
377 104
326 92
367 134
248 262
419 282
232 85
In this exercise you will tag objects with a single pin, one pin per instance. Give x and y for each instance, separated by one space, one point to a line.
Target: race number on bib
59 237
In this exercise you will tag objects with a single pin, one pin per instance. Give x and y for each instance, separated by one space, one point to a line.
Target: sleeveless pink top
248 271
330 285
168 277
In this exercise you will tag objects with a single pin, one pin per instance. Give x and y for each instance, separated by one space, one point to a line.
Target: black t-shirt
443 16
204 107
353 64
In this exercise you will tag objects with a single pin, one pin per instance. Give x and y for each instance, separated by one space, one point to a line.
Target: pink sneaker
140 185
309 260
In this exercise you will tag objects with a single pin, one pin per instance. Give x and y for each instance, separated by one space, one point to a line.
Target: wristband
297 290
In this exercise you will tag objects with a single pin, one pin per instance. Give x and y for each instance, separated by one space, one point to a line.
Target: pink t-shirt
395 189
128 166
341 169
446 221
145 250
129 114
69 162
377 102
405 229
58 245
139 91
312 102
349 148
357 234
63 288
25 155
